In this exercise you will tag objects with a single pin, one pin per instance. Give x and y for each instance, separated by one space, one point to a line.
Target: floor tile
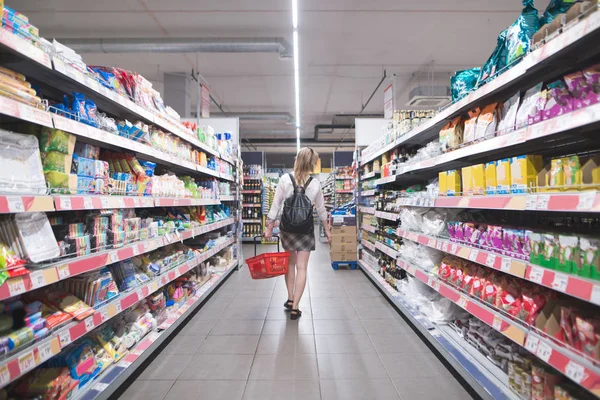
217 367
207 390
235 344
258 293
380 312
350 366
399 343
360 389
282 344
344 344
184 344
338 327
244 313
421 388
148 390
284 366
166 367
369 301
415 365
278 312
330 301
244 303
237 327
329 313
288 327
377 326
283 389
197 327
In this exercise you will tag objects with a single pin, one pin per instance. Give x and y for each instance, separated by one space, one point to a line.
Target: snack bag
463 82
520 34
487 122
559 100
507 122
471 125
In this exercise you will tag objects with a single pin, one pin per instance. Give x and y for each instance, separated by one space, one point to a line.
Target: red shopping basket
268 265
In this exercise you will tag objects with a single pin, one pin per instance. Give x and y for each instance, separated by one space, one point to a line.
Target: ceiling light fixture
296 70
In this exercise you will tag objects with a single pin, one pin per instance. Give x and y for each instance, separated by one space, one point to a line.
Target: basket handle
256 237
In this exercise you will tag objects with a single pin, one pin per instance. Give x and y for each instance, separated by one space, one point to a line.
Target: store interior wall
345 47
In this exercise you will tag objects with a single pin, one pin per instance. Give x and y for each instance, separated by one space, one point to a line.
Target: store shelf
15 109
582 288
535 136
563 359
79 265
481 375
368 193
28 358
116 375
170 202
346 191
533 68
368 244
387 215
251 221
367 210
386 249
16 46
251 205
25 203
370 175
227 198
251 191
369 228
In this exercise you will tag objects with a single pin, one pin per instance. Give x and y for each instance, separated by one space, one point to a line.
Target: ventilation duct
429 96
256 116
181 45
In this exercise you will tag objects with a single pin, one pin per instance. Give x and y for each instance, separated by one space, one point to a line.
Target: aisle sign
205 104
388 102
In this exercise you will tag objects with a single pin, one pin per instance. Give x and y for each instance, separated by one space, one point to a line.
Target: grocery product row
95 89
482 103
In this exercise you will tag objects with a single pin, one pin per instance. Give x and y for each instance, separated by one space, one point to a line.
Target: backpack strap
308 182
293 181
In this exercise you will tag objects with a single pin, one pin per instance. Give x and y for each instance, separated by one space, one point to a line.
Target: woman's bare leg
301 268
290 277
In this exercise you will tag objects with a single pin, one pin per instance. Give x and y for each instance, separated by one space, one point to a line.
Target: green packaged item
590 258
20 337
56 140
569 258
520 34
496 62
57 179
56 161
536 247
551 246
555 8
463 82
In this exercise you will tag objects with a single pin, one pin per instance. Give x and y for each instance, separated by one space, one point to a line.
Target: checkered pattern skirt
297 241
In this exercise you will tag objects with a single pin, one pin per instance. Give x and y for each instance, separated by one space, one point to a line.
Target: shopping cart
268 265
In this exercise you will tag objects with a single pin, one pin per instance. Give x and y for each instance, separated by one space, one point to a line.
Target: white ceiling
344 46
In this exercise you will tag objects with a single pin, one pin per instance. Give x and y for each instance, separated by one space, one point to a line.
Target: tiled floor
349 344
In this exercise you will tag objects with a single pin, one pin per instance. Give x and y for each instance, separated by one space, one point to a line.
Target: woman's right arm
275 208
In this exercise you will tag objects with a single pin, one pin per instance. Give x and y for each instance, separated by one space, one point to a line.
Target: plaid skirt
297 241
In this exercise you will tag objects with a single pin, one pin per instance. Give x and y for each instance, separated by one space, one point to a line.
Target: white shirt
285 189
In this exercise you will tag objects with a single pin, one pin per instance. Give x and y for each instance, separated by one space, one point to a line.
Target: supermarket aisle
349 344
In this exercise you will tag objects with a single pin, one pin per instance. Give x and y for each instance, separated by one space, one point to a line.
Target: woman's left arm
322 212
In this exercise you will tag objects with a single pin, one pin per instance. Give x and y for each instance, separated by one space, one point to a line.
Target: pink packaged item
580 90
508 239
592 77
459 232
537 113
495 238
451 231
558 102
470 232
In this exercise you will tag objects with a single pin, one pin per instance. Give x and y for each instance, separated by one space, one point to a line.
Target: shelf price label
473 255
445 247
15 204
113 256
586 201
542 201
87 203
490 260
45 351
595 297
536 274
453 248
136 250
16 286
37 279
532 343
105 202
544 351
462 302
531 202
506 264
497 323
575 371
560 282
4 375
63 271
26 362
65 203
89 323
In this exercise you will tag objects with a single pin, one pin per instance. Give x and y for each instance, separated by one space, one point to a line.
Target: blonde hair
306 161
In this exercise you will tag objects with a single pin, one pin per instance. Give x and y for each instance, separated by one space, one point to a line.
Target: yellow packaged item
572 168
384 159
490 177
557 174
376 166
453 182
443 183
478 179
467 181
524 171
503 181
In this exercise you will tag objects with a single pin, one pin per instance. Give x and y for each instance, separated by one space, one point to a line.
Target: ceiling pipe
257 116
330 126
181 45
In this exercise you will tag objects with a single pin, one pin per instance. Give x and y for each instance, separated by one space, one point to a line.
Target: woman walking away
293 203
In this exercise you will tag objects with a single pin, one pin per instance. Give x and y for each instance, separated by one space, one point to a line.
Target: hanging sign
388 102
205 104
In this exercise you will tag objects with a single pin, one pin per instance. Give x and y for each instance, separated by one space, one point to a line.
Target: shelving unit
217 206
252 202
399 191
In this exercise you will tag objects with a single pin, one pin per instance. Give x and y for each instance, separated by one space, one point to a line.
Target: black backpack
297 216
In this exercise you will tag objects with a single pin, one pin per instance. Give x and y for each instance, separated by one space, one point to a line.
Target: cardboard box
344 247
557 23
343 220
541 34
581 9
344 239
343 230
503 179
524 171
337 256
478 174
467 181
453 182
490 177
443 184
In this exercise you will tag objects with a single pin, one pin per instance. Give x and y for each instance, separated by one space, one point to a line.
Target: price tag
531 203
45 351
431 243
125 364
429 281
100 387
147 246
105 202
506 264
121 202
87 203
453 248
4 375
490 260
113 256
436 286
16 286
89 323
473 255
542 201
140 294
118 307
462 302
595 297
136 250
445 247
15 204
575 371
497 324
63 271
532 343
536 274
37 279
438 245
544 351
26 362
104 314
560 282
65 203
586 201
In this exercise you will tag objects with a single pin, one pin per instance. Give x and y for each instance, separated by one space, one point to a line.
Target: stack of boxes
344 243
